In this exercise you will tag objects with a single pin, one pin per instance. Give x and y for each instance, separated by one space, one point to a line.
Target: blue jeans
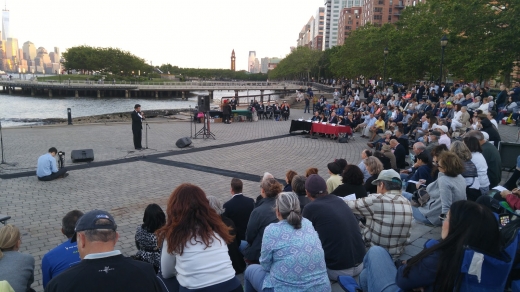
417 215
243 245
254 279
306 109
379 271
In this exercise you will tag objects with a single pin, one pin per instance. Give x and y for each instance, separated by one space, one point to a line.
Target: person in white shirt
444 139
491 117
480 162
484 107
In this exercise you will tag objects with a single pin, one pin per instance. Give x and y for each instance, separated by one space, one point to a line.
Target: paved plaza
123 181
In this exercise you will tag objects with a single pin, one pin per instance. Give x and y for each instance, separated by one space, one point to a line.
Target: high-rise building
305 36
5 24
264 64
251 61
319 22
332 11
379 12
349 21
29 51
256 67
11 48
233 60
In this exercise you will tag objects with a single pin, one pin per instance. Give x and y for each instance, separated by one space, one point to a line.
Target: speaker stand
2 148
205 131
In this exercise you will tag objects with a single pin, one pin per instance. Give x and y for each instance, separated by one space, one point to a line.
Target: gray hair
298 184
477 134
216 204
462 151
419 146
288 205
267 175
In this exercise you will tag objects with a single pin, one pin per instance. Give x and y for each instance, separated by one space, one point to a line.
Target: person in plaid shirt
388 214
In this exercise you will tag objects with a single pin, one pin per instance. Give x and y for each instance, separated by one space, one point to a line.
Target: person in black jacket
137 126
298 187
239 208
261 216
352 178
400 154
489 128
226 112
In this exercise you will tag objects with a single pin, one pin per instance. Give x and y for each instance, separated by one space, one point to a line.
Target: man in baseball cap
388 214
337 228
102 268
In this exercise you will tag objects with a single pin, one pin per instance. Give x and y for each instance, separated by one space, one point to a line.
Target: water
27 110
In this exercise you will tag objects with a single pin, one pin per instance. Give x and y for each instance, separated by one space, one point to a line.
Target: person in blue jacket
437 267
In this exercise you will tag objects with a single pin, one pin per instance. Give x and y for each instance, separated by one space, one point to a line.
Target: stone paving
149 176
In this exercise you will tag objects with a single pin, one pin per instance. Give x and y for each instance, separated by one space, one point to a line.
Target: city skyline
180 33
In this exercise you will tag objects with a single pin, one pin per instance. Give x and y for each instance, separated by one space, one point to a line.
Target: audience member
470 173
292 255
239 208
400 154
64 255
237 259
387 164
492 156
432 141
334 180
364 155
298 187
511 183
417 148
15 267
480 163
145 238
311 170
194 243
449 187
102 268
490 129
337 228
288 179
47 169
423 174
352 179
374 167
443 139
261 216
437 267
388 214
387 151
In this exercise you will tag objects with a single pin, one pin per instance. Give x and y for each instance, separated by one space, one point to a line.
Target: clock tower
233 58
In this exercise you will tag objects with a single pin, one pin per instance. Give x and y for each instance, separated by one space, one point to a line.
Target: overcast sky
196 34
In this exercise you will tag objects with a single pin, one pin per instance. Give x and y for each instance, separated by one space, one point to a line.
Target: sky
194 34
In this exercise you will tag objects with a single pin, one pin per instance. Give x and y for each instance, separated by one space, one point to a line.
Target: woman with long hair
352 178
480 162
436 268
194 243
374 167
145 239
470 173
292 255
15 267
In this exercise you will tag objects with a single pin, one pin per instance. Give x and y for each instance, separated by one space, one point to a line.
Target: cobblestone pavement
129 180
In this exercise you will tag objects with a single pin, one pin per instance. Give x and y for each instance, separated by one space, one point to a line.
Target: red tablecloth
330 129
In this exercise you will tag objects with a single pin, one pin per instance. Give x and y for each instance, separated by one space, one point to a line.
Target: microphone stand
146 134
191 122
2 148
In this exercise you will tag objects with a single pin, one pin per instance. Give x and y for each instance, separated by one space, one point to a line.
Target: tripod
205 131
2 148
146 127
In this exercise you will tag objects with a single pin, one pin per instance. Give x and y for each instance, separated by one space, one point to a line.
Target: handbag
420 197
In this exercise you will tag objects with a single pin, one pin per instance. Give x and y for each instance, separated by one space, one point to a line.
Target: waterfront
20 110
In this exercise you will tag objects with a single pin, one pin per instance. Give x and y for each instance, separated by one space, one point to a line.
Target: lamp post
385 52
444 42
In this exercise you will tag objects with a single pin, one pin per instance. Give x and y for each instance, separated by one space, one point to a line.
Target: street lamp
444 43
385 52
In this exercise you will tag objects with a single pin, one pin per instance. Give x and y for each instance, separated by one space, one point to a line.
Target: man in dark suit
400 154
239 208
137 127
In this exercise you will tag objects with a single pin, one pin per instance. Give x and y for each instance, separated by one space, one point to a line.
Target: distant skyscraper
11 48
264 65
29 51
5 24
332 12
251 61
256 67
233 60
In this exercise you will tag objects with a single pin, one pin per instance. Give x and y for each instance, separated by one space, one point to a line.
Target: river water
19 110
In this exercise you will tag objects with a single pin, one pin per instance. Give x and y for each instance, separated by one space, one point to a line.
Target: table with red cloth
330 129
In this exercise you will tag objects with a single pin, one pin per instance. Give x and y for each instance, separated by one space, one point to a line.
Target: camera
61 159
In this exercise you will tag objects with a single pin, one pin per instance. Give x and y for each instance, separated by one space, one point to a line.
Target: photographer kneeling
47 169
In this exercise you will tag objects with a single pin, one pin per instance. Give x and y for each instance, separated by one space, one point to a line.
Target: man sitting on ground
239 208
102 268
337 228
47 169
388 214
64 255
